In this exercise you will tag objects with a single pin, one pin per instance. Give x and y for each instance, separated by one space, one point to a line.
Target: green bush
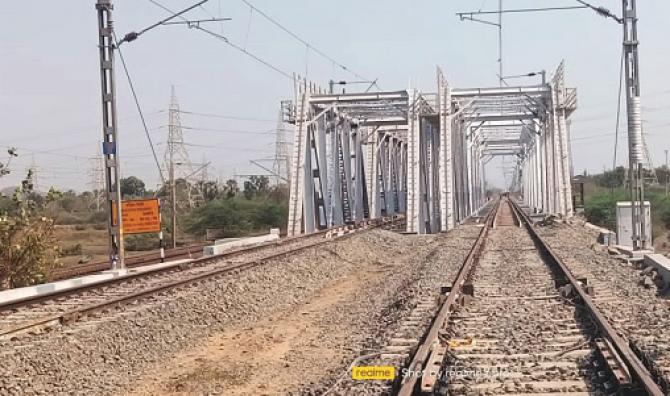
142 242
237 216
98 217
601 209
64 218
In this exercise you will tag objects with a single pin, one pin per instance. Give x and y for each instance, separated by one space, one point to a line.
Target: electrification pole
635 141
173 202
500 55
667 173
173 184
110 141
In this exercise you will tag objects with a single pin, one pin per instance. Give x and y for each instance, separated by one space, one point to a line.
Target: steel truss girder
342 171
366 155
545 166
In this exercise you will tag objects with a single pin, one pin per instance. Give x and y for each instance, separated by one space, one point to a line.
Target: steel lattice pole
109 126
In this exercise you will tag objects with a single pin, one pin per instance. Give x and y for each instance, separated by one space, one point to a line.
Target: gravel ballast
107 354
629 297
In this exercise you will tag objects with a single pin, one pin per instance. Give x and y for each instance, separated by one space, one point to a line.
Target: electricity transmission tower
179 166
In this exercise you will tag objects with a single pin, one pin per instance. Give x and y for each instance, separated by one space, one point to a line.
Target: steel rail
130 276
637 369
178 267
131 261
79 312
409 383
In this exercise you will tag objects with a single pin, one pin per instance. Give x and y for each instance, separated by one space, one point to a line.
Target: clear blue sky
49 78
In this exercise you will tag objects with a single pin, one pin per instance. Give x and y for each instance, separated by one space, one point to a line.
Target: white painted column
300 151
413 173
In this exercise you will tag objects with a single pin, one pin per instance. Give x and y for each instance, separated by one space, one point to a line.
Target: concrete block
605 236
223 245
22 293
661 264
634 254
225 240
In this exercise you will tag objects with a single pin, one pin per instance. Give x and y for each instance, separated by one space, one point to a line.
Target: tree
28 249
210 190
250 189
261 183
612 178
4 168
231 188
132 187
68 200
256 186
237 216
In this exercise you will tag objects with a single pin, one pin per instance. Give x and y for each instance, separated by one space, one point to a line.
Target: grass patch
600 208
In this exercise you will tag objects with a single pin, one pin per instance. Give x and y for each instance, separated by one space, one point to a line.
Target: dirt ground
93 243
662 243
246 361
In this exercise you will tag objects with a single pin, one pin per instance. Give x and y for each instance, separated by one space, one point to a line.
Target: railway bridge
365 155
472 298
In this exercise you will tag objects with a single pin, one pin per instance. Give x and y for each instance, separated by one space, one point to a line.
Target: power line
139 110
228 130
228 117
226 147
228 42
601 11
469 14
134 35
243 50
303 41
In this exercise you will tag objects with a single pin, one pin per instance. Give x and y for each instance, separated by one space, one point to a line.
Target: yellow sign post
139 216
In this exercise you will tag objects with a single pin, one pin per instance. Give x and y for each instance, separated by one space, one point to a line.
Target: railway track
37 314
644 317
515 321
190 251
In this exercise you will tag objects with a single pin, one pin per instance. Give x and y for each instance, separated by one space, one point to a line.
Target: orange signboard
139 216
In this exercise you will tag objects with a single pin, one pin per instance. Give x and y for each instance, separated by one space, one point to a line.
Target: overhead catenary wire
601 11
134 35
139 110
519 10
307 44
191 128
227 41
228 117
244 51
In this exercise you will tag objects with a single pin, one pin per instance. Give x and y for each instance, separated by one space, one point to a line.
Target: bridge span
366 155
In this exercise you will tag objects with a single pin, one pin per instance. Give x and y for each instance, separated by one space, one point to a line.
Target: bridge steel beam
366 155
446 167
546 160
346 167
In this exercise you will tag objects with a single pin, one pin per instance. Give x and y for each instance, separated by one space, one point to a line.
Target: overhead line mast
109 133
637 150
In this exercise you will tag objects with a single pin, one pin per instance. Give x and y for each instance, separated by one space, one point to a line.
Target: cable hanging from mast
139 110
223 39
307 44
